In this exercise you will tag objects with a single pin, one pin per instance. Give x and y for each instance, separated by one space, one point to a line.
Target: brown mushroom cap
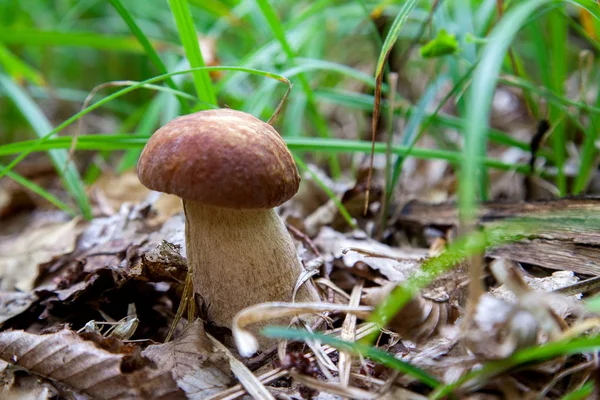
223 158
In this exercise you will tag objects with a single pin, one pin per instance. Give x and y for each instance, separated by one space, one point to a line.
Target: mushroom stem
240 258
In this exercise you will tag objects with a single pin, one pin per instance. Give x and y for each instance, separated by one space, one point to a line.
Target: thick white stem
240 258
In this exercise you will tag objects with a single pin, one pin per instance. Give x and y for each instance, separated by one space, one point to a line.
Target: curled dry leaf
67 358
198 371
419 319
163 263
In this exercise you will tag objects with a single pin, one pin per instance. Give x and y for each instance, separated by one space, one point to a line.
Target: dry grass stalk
251 383
348 334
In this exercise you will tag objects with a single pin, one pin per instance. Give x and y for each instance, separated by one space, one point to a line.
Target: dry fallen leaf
13 304
80 364
21 254
395 264
25 387
113 190
198 370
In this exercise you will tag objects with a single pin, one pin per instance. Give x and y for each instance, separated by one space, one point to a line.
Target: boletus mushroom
231 169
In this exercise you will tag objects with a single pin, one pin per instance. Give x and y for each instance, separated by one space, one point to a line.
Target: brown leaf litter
108 369
119 279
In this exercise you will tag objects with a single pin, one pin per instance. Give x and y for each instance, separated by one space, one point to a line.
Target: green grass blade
557 45
148 48
588 152
525 356
479 102
585 392
17 68
356 348
39 191
365 102
40 124
129 89
115 142
216 8
189 39
37 37
590 5
318 120
332 196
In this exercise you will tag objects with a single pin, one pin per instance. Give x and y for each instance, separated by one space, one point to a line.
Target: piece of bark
565 245
446 214
553 254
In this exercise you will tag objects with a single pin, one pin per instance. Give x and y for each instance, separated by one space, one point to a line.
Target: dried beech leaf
332 242
126 188
198 370
66 358
13 304
21 255
28 387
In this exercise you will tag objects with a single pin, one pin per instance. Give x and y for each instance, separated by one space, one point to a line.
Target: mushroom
231 169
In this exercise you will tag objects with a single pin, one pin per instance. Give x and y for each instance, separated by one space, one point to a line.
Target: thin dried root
186 302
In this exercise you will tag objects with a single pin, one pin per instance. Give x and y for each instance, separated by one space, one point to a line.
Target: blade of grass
115 142
386 49
332 196
479 102
216 8
129 89
40 191
319 122
525 356
18 69
148 48
557 45
189 39
590 5
355 348
40 124
37 37
585 392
